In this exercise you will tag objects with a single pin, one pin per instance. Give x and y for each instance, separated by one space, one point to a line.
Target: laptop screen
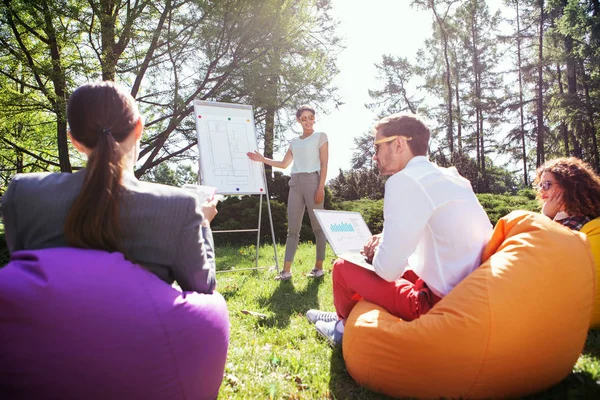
346 231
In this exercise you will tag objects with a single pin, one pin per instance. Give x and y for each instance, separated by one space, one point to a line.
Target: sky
369 30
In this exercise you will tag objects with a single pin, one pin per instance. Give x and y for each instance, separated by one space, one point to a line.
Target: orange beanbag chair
592 230
514 326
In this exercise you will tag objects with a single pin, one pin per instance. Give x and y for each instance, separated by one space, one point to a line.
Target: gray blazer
161 224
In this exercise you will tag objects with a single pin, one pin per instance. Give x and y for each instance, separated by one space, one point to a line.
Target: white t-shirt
306 152
433 224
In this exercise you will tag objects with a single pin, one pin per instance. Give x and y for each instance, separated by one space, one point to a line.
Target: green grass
282 357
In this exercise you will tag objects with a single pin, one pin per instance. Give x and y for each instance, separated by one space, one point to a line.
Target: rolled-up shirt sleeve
195 268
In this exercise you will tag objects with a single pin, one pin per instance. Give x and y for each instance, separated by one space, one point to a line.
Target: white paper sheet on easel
226 133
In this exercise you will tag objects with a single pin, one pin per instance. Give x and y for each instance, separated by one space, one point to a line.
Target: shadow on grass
309 296
592 343
574 386
341 384
230 290
577 385
232 262
286 300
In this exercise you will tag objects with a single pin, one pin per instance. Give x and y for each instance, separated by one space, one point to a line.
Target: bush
499 205
496 206
241 212
371 210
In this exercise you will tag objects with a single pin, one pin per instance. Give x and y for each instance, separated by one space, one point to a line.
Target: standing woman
104 206
310 153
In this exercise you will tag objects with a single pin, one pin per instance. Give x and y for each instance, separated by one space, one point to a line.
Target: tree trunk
60 91
269 140
477 86
540 83
521 111
107 32
20 158
572 96
591 124
563 127
271 109
481 136
450 133
458 114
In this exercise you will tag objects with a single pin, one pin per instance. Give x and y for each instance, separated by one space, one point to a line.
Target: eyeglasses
309 118
388 139
545 185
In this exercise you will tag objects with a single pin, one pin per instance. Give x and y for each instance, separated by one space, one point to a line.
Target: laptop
347 234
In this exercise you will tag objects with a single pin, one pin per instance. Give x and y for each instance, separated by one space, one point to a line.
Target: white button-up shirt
433 224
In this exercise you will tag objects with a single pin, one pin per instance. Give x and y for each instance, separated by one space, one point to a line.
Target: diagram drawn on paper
346 231
225 134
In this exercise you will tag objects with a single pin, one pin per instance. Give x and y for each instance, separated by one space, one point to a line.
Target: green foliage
241 212
297 68
47 51
371 211
499 205
528 94
496 179
357 184
495 205
182 174
396 73
278 187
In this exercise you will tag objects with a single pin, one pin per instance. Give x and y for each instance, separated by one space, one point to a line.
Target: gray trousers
302 195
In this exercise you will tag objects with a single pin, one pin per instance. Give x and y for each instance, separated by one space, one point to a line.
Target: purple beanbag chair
87 324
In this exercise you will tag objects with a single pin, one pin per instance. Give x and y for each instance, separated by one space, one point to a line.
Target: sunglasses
545 185
309 118
388 139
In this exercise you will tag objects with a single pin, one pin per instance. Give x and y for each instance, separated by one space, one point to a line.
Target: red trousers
407 298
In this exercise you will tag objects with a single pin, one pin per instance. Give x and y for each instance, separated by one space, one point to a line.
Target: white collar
561 215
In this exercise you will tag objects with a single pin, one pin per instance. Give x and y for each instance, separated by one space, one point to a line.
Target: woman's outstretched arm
283 164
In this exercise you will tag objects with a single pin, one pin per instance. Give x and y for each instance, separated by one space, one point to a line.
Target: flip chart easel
225 134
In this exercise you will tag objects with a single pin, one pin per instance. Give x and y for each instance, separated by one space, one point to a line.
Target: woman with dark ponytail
104 206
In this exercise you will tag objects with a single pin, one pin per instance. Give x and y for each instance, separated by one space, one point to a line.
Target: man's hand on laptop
369 250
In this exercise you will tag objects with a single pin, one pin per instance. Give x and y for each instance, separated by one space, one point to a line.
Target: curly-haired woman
569 191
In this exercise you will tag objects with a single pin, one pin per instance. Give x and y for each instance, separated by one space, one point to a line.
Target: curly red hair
581 185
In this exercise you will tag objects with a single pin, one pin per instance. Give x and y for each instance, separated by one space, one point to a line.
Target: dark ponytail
100 116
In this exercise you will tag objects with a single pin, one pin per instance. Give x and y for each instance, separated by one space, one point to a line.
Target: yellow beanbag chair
592 230
515 326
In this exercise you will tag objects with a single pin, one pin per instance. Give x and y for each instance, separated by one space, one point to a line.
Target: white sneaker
317 315
316 273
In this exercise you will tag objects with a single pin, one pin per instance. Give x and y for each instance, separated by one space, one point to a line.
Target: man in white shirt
433 234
